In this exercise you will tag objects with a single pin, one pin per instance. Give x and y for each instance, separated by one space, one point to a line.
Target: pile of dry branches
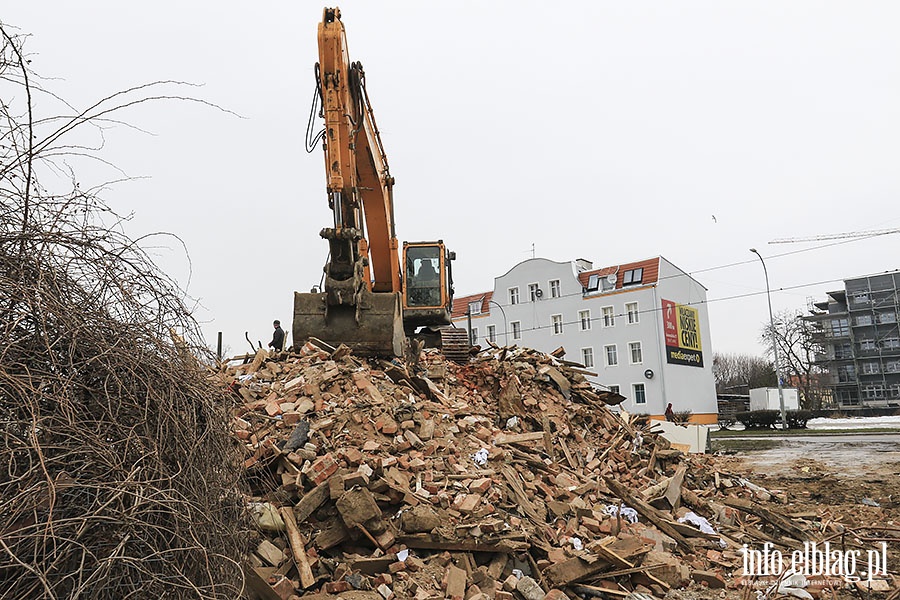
118 478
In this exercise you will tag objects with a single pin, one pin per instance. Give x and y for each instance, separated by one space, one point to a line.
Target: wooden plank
298 548
650 513
427 542
258 586
577 568
512 478
311 501
673 491
774 519
518 438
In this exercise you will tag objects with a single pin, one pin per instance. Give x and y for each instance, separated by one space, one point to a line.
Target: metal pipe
774 342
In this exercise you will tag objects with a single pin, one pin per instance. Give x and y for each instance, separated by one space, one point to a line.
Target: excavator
374 297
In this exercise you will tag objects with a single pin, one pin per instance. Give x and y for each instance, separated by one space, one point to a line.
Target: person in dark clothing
277 337
670 414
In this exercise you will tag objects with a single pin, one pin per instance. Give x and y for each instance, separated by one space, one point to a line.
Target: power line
719 267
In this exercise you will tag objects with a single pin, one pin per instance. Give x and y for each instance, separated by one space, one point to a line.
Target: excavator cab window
423 279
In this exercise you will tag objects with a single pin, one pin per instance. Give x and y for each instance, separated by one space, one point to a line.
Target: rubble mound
505 477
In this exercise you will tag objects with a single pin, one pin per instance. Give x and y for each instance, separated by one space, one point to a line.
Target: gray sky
608 131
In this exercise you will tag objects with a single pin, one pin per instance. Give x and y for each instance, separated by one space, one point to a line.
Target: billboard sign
682 333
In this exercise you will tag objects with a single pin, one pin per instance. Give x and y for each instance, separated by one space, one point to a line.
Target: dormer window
593 283
475 307
633 277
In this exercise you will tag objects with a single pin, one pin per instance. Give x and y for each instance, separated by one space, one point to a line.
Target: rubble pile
507 477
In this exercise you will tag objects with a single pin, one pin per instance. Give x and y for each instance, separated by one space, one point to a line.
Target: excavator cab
427 284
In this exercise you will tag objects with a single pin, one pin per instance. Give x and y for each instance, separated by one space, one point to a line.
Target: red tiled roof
650 274
461 304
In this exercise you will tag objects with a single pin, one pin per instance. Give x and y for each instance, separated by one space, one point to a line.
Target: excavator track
455 344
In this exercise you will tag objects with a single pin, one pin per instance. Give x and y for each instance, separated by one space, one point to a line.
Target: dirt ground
854 483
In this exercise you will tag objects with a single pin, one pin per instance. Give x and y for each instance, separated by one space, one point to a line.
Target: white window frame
867 345
587 356
474 335
512 295
516 327
871 368
890 343
887 317
615 355
532 291
609 316
475 307
864 320
585 317
613 388
632 316
492 333
554 288
634 392
556 322
631 349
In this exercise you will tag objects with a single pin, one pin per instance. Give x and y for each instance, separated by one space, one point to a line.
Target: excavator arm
361 300
370 302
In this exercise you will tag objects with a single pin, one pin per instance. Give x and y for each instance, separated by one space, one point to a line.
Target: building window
843 351
614 389
890 343
533 292
864 320
612 355
874 391
554 288
474 335
846 373
847 398
475 307
887 317
866 345
840 327
860 297
894 390
631 309
609 317
492 333
640 395
585 317
593 283
557 322
513 295
892 366
587 357
871 368
632 277
516 330
637 355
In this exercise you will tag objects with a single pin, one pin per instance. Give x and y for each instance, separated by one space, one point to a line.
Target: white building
642 327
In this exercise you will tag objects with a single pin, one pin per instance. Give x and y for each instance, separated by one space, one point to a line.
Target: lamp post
505 326
774 342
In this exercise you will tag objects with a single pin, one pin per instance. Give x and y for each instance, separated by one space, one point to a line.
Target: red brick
480 486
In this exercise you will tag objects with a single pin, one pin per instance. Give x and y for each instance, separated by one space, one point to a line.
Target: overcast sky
607 131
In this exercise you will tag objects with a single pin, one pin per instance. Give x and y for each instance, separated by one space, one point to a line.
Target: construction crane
836 236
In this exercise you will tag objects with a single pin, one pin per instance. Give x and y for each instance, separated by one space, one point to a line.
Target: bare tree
118 477
797 350
739 373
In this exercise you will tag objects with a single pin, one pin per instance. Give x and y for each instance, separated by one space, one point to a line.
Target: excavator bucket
373 328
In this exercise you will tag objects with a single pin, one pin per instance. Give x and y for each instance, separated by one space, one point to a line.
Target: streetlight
505 326
774 342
